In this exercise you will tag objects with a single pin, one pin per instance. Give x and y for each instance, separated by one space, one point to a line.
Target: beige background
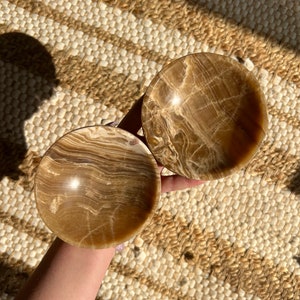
80 63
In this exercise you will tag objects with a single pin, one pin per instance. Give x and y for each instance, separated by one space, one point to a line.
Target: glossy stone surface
204 116
97 186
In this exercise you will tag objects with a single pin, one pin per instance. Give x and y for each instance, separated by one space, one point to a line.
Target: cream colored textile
68 64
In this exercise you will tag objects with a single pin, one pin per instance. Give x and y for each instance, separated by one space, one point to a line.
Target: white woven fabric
233 238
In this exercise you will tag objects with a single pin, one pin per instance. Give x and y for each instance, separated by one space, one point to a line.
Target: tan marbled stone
204 116
97 186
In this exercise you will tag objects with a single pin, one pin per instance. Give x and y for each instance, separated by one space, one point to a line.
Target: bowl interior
97 186
204 116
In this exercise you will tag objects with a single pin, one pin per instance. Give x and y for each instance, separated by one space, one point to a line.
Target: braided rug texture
68 64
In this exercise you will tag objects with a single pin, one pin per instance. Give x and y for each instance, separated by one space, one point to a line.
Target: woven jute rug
68 64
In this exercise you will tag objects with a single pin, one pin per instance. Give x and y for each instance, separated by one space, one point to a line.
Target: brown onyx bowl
97 186
204 116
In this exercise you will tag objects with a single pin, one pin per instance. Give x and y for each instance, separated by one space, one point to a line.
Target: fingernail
120 248
113 124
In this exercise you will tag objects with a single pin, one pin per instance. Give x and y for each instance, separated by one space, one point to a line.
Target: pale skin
68 272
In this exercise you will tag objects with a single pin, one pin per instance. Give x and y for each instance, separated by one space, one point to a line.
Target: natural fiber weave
68 64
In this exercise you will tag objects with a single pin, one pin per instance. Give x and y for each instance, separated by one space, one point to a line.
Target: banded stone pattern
204 116
233 238
97 186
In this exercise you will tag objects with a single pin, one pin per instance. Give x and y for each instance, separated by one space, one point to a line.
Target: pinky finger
176 183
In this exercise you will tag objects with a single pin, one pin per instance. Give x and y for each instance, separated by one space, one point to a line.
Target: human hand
68 271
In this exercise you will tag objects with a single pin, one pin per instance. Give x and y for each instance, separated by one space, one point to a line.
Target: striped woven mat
68 64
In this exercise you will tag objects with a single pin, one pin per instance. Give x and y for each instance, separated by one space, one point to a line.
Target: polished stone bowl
97 186
204 116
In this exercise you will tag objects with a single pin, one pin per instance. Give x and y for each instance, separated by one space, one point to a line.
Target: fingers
176 183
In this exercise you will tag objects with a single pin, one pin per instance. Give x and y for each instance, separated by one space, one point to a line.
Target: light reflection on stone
204 116
97 187
74 183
